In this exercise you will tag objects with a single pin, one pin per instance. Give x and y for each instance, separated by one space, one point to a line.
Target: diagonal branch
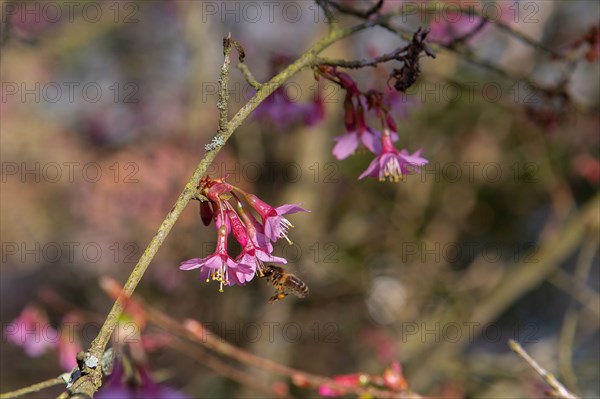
91 379
559 391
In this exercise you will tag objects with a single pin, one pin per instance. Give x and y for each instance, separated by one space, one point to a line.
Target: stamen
284 235
261 267
285 225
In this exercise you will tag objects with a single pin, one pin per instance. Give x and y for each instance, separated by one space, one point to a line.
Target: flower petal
192 264
289 208
370 139
345 146
372 170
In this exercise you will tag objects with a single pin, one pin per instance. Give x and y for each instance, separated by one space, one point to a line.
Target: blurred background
106 108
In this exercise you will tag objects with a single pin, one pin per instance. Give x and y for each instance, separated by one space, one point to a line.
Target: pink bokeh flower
281 110
32 331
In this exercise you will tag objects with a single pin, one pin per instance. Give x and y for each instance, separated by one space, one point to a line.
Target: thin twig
223 102
355 64
585 295
33 388
569 327
220 367
196 332
324 4
248 76
559 391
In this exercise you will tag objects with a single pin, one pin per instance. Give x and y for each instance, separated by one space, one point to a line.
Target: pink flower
32 332
358 133
219 266
276 226
255 230
254 258
251 256
215 188
391 163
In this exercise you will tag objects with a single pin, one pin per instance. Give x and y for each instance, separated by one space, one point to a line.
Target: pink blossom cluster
389 163
254 236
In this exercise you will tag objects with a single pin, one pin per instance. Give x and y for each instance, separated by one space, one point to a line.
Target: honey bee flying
285 283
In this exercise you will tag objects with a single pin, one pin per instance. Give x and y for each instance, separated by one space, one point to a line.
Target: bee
285 283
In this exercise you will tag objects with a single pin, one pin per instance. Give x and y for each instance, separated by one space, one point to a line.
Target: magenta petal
192 264
372 170
345 146
273 228
414 159
213 262
288 209
263 243
370 139
265 257
242 273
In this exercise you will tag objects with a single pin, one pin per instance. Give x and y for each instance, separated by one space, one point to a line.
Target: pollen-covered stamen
285 226
260 267
392 170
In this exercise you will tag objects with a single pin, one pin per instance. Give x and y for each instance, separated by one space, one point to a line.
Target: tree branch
559 391
91 379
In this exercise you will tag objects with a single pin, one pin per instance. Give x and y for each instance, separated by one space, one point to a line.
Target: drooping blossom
393 164
255 230
219 266
32 331
253 236
276 226
357 132
251 255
